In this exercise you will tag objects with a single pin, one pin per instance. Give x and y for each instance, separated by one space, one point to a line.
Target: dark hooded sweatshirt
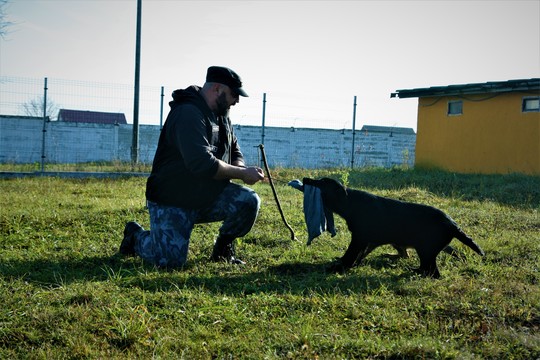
186 160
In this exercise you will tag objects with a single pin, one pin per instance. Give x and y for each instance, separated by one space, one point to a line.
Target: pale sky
310 57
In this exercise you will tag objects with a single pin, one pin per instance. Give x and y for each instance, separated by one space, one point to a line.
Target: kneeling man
196 157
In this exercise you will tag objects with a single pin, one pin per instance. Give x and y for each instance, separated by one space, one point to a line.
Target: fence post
161 111
263 121
135 138
353 132
44 126
263 117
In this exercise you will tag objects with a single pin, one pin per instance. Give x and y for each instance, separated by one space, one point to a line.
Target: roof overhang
524 85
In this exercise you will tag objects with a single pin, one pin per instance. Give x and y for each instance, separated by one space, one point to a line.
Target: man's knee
163 248
254 201
171 261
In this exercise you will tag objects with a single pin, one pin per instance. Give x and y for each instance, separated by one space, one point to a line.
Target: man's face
225 100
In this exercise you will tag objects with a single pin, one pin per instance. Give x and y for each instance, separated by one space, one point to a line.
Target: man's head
222 89
225 76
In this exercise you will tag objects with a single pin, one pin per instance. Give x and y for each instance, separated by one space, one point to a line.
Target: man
196 157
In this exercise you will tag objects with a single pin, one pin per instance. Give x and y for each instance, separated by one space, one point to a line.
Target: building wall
21 139
324 148
492 135
21 142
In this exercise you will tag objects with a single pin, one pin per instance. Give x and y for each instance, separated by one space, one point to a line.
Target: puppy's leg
428 264
402 251
355 253
362 254
451 251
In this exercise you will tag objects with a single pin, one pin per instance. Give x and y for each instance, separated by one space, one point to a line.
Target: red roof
82 116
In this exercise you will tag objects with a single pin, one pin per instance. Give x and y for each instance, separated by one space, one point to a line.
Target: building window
455 107
531 104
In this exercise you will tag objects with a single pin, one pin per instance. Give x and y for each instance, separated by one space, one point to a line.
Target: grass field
66 294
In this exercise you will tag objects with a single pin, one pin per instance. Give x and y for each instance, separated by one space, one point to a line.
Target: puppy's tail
465 239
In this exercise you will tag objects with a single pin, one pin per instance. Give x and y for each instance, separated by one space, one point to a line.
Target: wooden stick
261 146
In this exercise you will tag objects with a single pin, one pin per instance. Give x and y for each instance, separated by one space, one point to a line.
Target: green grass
65 293
105 166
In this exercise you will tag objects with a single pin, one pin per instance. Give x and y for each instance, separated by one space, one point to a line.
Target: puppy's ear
343 189
337 188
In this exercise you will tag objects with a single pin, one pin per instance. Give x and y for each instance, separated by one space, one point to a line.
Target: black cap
225 76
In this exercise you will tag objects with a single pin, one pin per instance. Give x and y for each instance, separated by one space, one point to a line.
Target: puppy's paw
428 273
336 267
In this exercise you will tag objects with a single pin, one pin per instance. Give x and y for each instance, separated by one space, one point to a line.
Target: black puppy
375 220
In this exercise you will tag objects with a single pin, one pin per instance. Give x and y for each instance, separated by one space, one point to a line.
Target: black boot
127 247
224 251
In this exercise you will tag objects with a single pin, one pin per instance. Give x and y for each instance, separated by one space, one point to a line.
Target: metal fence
28 97
25 97
25 138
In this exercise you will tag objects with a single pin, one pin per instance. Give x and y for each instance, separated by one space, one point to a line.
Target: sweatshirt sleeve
190 137
236 152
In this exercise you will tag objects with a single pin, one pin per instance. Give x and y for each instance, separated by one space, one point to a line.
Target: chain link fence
31 131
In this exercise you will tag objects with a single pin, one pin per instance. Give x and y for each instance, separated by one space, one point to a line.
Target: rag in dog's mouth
318 218
333 193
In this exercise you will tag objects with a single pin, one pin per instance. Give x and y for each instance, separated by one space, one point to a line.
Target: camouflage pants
166 243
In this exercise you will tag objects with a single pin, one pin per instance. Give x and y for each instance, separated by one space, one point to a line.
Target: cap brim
241 92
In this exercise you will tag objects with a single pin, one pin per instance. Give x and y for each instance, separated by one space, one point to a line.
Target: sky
310 58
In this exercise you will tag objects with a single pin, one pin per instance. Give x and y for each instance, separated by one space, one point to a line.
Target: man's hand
252 175
249 175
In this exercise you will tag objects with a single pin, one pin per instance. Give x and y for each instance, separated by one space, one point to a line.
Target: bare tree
34 108
4 23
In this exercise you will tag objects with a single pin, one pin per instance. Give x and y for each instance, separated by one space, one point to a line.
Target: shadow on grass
60 272
298 278
295 278
521 191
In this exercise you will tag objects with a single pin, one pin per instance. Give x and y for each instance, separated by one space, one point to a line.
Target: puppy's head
333 193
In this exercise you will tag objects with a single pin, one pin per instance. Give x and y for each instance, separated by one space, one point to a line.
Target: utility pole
353 132
161 110
135 139
45 88
263 117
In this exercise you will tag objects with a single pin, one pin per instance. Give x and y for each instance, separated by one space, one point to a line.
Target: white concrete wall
323 148
20 139
21 142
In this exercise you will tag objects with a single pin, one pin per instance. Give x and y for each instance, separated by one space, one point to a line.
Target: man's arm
249 175
237 158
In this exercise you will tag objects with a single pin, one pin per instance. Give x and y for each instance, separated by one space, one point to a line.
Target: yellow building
489 128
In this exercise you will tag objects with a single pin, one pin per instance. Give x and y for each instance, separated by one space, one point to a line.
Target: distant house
491 127
96 117
390 130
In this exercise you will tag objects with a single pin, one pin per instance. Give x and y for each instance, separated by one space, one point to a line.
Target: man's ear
218 88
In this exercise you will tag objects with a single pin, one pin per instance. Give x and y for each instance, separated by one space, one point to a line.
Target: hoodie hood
191 95
188 95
